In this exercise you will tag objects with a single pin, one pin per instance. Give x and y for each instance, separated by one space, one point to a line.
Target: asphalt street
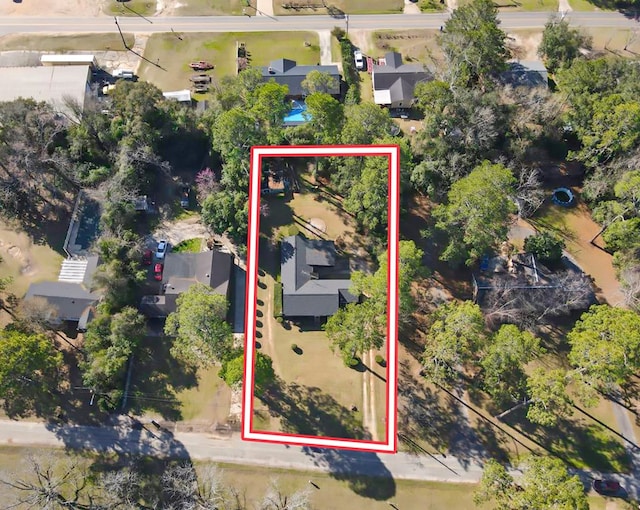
510 21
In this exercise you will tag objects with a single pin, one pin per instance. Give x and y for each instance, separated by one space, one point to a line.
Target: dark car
184 196
157 271
146 257
606 487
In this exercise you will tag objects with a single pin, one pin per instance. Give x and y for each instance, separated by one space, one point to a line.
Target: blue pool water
297 115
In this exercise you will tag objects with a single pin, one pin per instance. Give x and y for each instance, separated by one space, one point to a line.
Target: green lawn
131 8
209 401
338 8
174 55
420 45
528 5
188 246
79 42
595 5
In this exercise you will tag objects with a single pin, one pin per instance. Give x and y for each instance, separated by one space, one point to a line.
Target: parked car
161 250
606 487
157 271
146 257
359 60
184 196
124 74
201 65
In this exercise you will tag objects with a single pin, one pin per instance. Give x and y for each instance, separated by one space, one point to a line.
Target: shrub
353 362
379 359
546 247
279 319
277 301
338 33
294 347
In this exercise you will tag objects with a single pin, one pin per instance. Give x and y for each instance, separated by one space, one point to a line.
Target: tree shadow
156 378
309 411
364 472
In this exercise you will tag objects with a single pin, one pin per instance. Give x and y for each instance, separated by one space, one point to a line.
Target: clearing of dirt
524 44
51 8
25 262
181 230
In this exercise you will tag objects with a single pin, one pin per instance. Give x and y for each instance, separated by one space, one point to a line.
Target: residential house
71 297
394 82
181 271
288 72
525 73
315 281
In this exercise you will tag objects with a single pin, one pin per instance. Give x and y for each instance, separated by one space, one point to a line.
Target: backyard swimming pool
297 115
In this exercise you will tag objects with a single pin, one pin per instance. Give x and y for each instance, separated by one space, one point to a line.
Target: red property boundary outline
389 445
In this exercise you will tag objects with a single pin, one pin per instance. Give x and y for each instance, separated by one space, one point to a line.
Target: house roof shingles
70 299
397 78
304 294
288 72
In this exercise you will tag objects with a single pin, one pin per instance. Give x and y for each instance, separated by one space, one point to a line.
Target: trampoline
563 197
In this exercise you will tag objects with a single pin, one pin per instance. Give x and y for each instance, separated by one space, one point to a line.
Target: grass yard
61 43
611 40
131 8
414 45
188 246
207 402
220 49
208 7
524 5
593 5
337 8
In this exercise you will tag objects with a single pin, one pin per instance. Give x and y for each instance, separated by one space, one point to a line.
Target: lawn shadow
280 214
310 411
364 472
157 377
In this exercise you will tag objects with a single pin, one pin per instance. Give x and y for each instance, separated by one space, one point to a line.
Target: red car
146 257
157 271
606 487
201 65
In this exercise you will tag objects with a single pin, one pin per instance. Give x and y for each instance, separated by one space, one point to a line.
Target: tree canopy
545 484
477 212
561 44
29 370
202 336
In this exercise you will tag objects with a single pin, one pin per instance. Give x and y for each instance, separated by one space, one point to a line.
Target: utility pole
347 17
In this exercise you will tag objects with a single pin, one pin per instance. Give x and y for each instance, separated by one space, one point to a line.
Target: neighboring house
394 82
525 73
315 281
181 271
70 297
288 72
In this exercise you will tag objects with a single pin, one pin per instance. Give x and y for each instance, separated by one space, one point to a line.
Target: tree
269 105
276 499
206 183
226 212
548 398
327 116
476 216
473 45
29 369
233 369
365 123
545 246
202 336
545 484
561 44
367 199
605 346
355 329
503 362
317 81
455 335
109 342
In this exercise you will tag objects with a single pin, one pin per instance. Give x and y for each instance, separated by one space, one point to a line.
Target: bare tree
275 499
529 305
631 287
36 314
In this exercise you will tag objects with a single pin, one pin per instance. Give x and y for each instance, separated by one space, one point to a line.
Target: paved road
123 439
513 20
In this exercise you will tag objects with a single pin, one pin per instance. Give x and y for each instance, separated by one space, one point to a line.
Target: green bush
294 347
351 75
353 362
277 300
188 246
279 320
379 359
546 246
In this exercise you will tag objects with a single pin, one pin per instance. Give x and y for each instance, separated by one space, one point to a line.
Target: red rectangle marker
389 445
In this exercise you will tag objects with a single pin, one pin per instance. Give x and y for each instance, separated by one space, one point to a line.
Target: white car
359 60
161 249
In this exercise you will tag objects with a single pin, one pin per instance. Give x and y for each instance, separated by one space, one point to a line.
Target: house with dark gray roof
525 73
315 281
394 82
288 72
71 297
181 271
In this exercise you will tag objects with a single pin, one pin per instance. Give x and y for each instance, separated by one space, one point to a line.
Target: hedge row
277 300
351 75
